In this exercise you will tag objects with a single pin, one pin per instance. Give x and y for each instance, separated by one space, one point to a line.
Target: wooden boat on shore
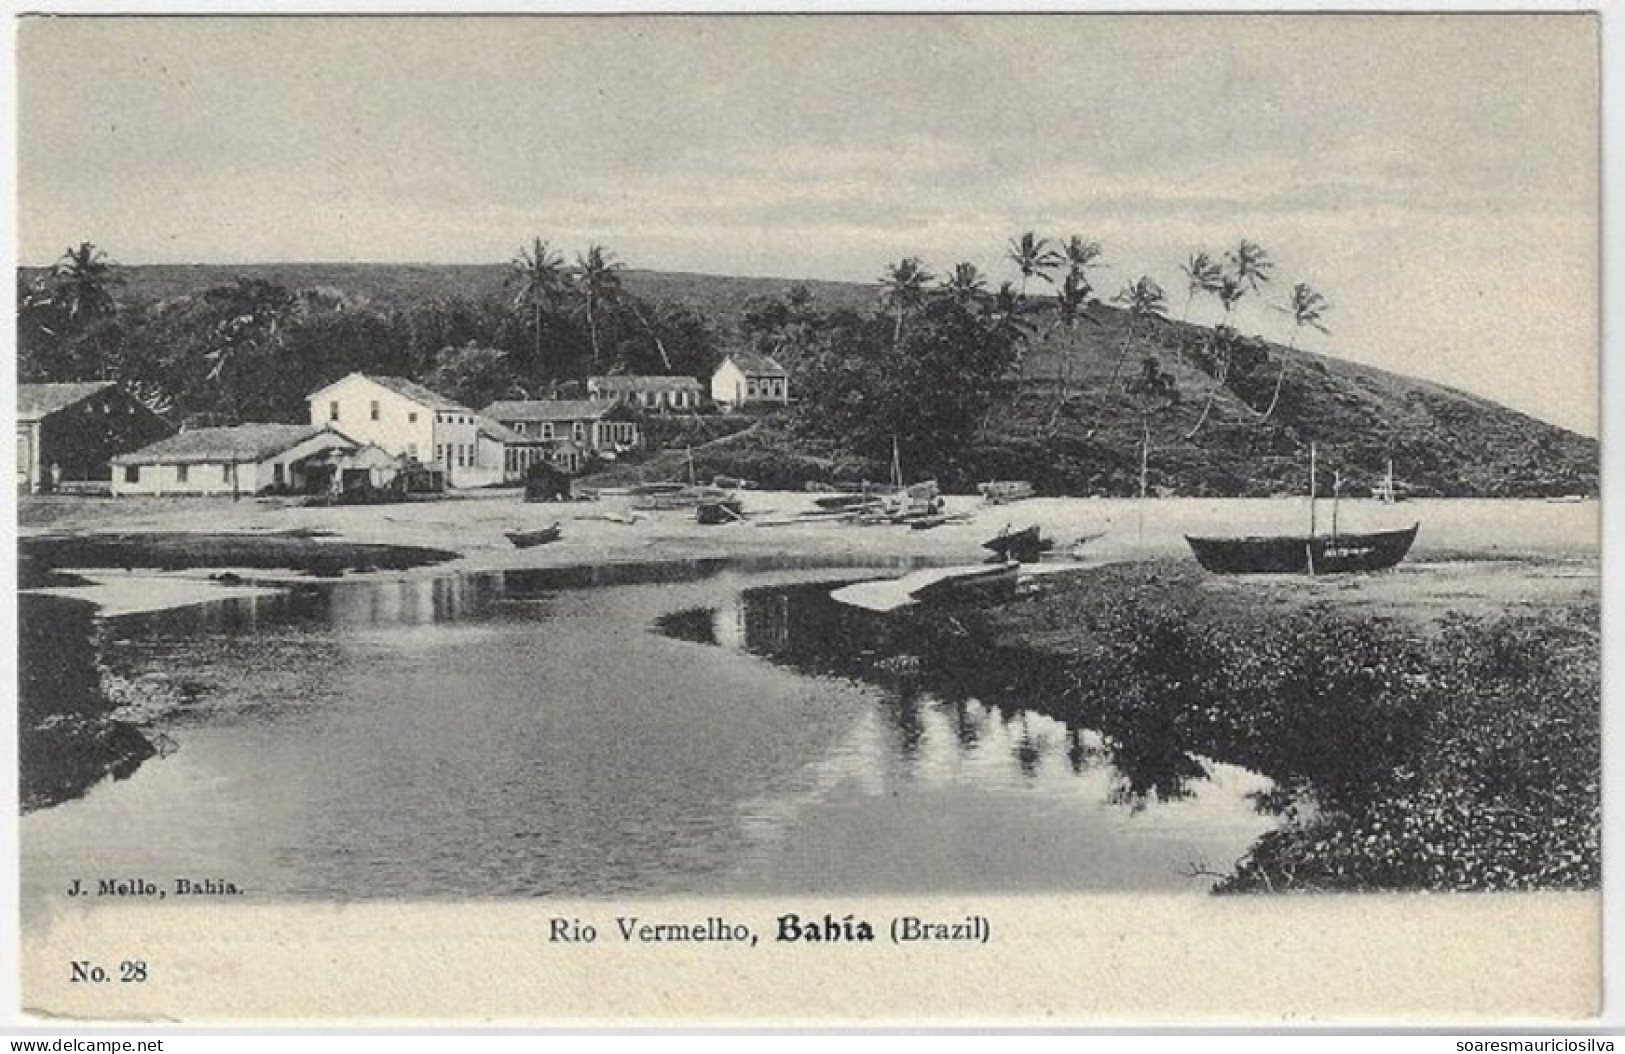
1313 553
1024 546
727 510
846 502
657 496
1304 554
540 536
981 584
1000 492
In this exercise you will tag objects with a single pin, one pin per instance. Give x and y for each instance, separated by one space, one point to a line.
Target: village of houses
366 434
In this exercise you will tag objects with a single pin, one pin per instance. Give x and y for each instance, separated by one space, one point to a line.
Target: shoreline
466 535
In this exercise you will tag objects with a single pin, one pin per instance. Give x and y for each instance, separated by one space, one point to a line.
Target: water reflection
804 628
526 734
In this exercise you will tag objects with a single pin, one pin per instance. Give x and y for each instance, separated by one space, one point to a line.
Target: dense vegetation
1041 379
1464 755
67 738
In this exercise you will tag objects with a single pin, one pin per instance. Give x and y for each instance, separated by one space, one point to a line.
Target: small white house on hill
405 419
745 378
241 460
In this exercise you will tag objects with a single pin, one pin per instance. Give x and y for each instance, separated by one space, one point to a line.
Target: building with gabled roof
564 432
747 377
68 433
408 420
657 393
238 460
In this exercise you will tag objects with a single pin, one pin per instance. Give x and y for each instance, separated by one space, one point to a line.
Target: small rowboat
1024 545
541 536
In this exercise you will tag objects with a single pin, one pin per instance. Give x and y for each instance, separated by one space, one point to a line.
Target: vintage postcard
809 519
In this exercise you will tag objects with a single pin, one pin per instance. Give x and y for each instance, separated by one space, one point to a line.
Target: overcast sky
1434 176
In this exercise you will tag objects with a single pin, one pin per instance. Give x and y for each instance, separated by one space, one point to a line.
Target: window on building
180 473
412 417
333 411
519 426
132 473
373 409
547 430
225 473
412 451
439 452
279 473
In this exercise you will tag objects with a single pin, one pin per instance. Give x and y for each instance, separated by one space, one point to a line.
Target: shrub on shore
1464 756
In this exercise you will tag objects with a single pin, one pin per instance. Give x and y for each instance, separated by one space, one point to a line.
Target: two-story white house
746 378
406 419
565 432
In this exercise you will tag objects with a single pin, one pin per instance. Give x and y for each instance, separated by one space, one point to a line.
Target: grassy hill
720 297
1440 441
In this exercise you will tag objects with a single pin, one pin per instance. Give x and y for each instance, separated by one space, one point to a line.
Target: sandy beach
1500 551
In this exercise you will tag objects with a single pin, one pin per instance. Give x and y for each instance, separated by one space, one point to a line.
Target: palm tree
966 285
82 281
1080 254
1306 308
1250 264
537 278
903 290
1202 275
598 281
1145 300
1033 257
1071 301
1230 291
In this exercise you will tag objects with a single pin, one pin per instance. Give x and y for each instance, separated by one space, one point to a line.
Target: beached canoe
541 536
1304 554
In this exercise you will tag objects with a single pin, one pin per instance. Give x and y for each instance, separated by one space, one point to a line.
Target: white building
566 431
648 393
746 378
242 460
408 420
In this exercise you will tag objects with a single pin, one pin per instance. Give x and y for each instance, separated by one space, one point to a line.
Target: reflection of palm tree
538 279
1306 308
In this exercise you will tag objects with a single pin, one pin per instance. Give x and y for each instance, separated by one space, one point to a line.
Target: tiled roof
401 386
501 433
628 382
241 444
36 401
549 410
757 365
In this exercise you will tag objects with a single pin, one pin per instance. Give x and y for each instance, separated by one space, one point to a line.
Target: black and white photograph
809 517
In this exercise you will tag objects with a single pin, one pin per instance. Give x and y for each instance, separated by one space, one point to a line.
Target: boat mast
1337 493
1311 490
1309 544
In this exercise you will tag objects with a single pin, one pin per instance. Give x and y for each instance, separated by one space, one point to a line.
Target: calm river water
633 731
